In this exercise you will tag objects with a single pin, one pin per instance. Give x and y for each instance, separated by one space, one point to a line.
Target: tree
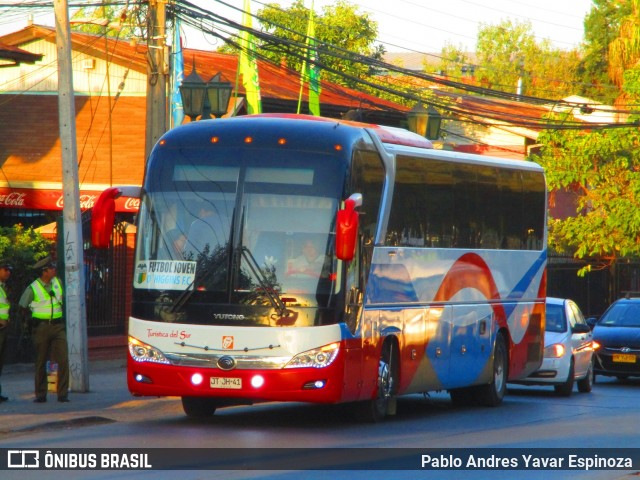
452 59
24 247
624 52
601 27
603 166
340 25
508 54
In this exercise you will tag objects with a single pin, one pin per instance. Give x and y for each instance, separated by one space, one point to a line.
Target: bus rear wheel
198 407
492 394
384 403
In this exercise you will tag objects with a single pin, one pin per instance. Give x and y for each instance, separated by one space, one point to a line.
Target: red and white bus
296 258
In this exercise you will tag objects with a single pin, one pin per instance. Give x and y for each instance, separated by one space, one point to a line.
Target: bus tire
492 394
198 407
374 410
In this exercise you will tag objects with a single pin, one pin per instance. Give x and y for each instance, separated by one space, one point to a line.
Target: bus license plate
624 358
226 382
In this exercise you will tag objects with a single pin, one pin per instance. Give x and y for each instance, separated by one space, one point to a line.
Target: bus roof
461 157
386 134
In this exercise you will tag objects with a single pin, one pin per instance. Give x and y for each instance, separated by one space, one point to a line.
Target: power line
507 118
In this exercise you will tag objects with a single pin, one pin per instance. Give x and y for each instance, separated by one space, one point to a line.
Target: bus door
369 354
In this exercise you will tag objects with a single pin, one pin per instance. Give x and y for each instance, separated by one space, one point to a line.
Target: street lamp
193 90
218 95
425 121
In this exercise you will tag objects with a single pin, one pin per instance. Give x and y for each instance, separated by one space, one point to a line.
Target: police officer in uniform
43 297
5 273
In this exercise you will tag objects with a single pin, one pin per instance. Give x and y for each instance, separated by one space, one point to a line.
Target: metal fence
106 282
595 291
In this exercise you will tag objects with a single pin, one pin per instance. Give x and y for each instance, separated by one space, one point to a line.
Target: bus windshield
239 228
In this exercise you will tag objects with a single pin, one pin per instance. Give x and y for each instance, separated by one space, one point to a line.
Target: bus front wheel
384 403
198 407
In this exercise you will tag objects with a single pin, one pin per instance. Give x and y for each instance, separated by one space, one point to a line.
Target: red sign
43 199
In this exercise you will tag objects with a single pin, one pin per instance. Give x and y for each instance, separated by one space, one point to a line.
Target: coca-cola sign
45 199
132 204
86 201
13 199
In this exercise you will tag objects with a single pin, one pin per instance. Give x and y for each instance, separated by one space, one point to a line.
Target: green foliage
452 58
24 246
631 85
508 52
603 168
340 24
601 27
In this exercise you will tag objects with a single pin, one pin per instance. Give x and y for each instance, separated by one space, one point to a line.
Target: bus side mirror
103 217
347 223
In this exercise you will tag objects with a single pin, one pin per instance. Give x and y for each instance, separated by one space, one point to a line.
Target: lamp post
425 121
218 95
193 90
200 98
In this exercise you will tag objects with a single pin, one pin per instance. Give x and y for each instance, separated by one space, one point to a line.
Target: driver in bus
310 263
209 229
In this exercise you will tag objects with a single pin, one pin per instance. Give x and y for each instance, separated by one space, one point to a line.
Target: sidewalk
108 400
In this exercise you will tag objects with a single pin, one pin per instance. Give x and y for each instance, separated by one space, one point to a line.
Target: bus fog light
196 379
142 378
315 385
257 381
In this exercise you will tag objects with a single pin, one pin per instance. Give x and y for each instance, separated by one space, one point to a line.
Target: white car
568 350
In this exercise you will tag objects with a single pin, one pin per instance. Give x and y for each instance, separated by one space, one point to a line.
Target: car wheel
565 389
586 384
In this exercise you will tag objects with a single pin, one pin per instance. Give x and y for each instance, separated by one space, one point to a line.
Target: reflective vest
4 304
45 306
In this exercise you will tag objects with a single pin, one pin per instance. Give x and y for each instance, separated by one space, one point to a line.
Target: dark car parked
618 334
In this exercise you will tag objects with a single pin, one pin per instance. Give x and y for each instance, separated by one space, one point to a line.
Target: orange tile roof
279 87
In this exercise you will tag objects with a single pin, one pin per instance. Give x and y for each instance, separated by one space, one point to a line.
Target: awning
47 199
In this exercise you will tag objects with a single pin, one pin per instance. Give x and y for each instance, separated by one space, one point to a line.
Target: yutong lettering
227 316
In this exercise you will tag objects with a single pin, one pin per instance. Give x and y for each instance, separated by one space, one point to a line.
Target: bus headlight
317 358
141 352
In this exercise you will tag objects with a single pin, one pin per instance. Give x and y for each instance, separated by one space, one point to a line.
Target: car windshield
555 321
624 314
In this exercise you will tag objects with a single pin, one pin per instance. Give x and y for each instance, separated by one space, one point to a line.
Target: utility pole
76 313
157 71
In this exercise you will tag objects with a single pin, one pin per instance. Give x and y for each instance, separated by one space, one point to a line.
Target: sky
409 25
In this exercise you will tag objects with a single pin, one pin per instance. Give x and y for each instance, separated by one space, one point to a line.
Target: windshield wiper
269 290
198 279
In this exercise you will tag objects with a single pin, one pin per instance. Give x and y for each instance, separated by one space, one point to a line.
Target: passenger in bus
209 229
310 263
176 242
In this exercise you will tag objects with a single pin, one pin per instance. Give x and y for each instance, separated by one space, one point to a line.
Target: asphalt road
108 417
